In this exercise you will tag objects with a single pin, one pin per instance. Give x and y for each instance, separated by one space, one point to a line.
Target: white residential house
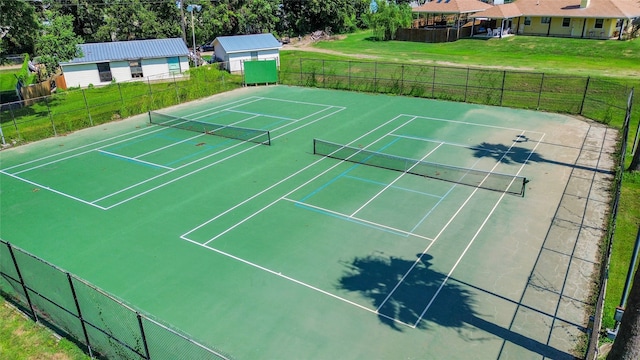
233 51
102 63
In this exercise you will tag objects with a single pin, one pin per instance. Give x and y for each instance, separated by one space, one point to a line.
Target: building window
136 68
545 20
566 22
599 23
104 71
527 20
254 55
174 65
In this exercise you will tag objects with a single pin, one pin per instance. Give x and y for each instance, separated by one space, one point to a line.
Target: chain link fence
70 110
104 325
594 98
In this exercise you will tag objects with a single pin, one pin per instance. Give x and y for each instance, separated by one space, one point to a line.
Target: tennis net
233 132
511 184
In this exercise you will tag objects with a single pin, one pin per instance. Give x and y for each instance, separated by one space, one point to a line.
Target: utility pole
182 21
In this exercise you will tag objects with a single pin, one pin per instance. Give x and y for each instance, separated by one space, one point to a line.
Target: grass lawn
21 338
618 61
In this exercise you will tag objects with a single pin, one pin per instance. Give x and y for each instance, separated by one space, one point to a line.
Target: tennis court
286 223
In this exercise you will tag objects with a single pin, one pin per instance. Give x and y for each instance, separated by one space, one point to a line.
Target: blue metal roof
130 50
254 42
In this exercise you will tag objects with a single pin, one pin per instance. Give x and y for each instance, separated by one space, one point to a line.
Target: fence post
433 84
584 96
504 78
53 125
175 86
144 337
84 327
300 72
349 75
466 86
375 76
324 84
120 91
86 105
402 81
540 92
13 118
24 286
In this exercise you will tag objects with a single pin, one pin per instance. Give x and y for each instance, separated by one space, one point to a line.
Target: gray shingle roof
130 50
254 42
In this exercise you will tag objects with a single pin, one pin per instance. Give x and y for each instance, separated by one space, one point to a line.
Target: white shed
102 63
235 50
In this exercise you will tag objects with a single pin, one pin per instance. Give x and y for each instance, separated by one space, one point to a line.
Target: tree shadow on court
408 292
517 154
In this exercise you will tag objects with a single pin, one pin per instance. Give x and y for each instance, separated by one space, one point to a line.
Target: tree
130 20
19 26
627 343
386 18
58 41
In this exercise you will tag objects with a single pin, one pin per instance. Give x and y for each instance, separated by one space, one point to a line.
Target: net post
268 138
149 113
524 185
314 147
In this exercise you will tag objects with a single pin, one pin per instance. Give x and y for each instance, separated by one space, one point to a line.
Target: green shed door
174 65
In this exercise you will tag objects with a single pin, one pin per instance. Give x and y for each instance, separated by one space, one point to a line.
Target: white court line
446 143
395 180
296 189
408 233
80 153
419 259
474 237
169 146
134 159
40 186
259 114
289 278
211 164
475 124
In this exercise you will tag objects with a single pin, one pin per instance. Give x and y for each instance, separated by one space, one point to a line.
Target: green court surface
272 252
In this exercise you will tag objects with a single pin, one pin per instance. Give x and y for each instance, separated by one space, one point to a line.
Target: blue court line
273 125
324 186
342 217
392 187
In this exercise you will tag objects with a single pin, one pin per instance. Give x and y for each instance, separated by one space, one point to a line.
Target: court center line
168 146
401 188
419 259
396 179
260 114
296 281
299 187
134 159
474 236
475 124
400 231
219 161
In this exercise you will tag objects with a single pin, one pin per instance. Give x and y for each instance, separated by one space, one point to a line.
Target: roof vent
584 4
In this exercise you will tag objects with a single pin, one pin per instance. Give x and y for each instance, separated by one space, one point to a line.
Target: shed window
599 23
527 20
545 20
104 71
136 68
566 22
254 55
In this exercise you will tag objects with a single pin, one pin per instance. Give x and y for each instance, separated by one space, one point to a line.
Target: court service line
447 143
83 152
40 186
168 146
401 188
299 187
403 232
260 114
134 159
419 259
396 179
206 112
473 238
208 165
476 124
296 281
